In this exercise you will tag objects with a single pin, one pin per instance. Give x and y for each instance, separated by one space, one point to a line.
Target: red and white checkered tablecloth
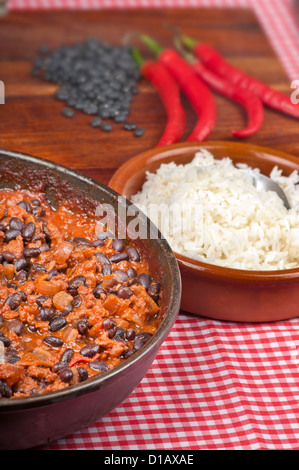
213 385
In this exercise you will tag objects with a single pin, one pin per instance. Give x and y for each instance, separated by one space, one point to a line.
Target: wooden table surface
31 120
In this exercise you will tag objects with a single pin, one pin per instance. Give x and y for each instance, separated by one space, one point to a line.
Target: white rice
212 212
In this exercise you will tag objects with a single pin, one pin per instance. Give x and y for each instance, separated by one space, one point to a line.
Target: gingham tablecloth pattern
213 385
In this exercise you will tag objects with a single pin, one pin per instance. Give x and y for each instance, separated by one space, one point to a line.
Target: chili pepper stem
137 56
189 42
152 44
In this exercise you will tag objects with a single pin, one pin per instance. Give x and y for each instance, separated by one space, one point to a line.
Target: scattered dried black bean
68 112
139 132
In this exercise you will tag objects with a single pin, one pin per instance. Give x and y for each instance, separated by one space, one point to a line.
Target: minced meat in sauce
74 300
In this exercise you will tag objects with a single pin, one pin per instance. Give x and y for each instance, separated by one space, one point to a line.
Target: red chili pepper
169 92
250 102
197 92
80 358
215 62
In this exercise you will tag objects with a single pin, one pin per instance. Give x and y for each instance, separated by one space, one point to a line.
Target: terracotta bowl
33 421
214 291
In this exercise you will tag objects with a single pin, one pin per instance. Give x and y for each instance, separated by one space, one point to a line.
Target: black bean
57 324
28 231
102 258
14 300
46 314
38 212
133 254
130 126
12 357
90 350
38 267
124 292
5 340
11 234
82 326
154 289
65 374
139 132
127 353
44 247
82 374
82 241
96 122
67 112
99 366
17 326
20 264
97 243
108 323
16 223
144 279
130 334
122 275
118 245
52 273
42 299
106 270
140 340
53 341
76 302
118 257
21 277
119 332
31 252
35 202
77 281
106 126
5 390
132 273
98 291
25 205
101 235
67 355
8 256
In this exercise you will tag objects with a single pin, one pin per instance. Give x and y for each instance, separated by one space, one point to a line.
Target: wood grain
31 120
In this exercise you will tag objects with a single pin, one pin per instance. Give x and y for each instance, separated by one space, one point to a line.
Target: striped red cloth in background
213 385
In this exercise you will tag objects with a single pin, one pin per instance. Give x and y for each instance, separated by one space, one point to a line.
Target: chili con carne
72 297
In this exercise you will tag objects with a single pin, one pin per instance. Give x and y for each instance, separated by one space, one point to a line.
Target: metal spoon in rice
263 182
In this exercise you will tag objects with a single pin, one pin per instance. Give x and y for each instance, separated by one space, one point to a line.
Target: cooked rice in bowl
212 212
